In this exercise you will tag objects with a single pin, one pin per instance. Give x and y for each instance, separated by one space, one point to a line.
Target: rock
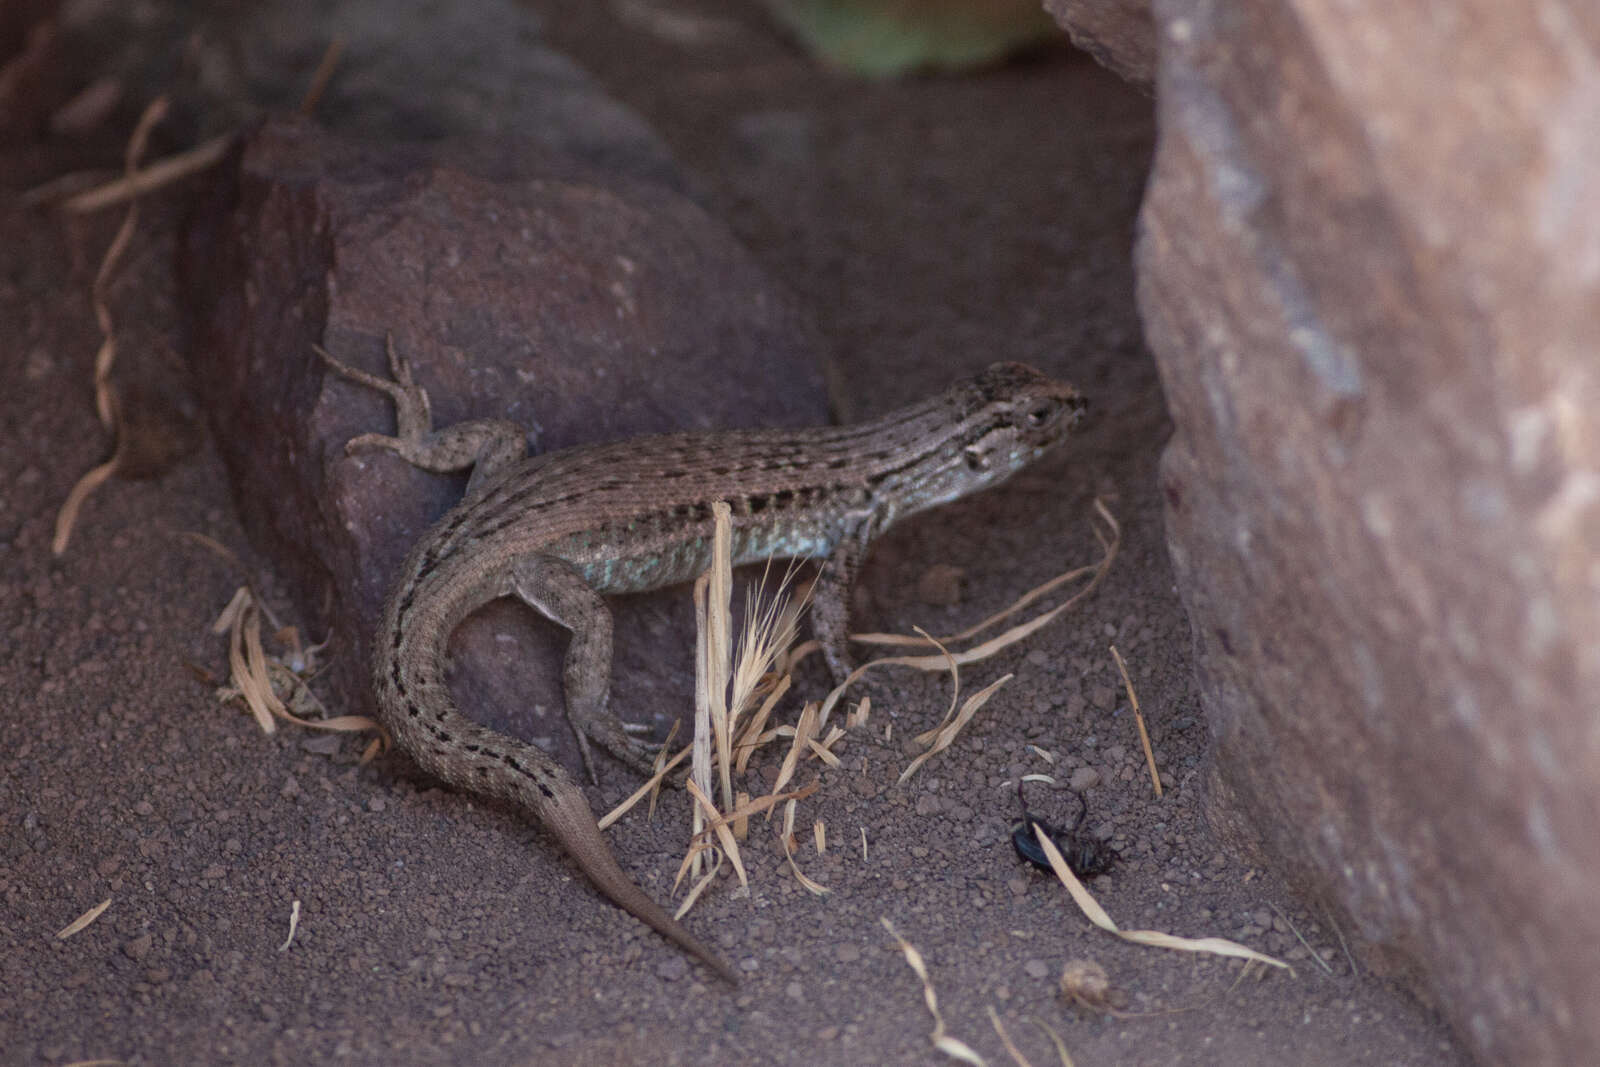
520 284
1120 34
409 71
1370 269
1084 778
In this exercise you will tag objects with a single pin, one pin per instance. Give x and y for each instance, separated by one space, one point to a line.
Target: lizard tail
567 815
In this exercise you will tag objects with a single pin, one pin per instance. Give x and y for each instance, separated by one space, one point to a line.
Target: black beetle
1084 853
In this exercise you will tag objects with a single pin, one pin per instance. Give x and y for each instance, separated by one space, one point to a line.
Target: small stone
139 947
1036 968
322 744
1084 778
672 968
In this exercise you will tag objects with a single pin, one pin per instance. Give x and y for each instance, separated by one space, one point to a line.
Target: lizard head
988 427
1015 414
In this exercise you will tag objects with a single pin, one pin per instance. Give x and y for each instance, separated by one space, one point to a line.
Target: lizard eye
975 460
1040 413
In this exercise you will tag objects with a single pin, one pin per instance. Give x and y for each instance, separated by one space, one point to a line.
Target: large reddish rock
1370 271
1120 34
582 303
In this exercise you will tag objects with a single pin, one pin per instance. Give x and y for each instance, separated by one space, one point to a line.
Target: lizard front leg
485 445
555 588
830 598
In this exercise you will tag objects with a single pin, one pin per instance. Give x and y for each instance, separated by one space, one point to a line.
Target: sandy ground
933 225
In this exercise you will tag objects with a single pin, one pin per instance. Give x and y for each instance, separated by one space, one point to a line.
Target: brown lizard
557 530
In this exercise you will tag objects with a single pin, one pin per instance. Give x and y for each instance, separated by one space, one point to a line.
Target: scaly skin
560 529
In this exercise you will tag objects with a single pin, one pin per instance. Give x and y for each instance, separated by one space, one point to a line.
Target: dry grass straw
736 695
1315 956
1096 914
713 647
791 846
294 925
1005 1038
1062 1054
1138 719
728 719
135 182
271 685
105 395
83 920
1110 539
945 734
955 1049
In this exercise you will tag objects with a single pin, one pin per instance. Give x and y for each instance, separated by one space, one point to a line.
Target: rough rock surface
1370 270
1120 34
520 285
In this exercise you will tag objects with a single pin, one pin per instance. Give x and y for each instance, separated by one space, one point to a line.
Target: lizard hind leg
557 590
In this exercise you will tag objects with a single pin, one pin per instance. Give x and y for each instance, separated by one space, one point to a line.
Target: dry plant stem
105 400
67 517
941 1040
758 805
1109 548
1138 719
786 835
83 920
995 644
643 791
138 182
251 672
804 730
705 882
1005 1039
1062 1055
700 741
945 736
1320 962
719 826
294 924
751 735
1215 945
322 76
719 660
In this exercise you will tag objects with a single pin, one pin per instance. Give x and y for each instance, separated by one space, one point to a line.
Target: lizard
559 529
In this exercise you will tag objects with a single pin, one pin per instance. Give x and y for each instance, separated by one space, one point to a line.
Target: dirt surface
933 225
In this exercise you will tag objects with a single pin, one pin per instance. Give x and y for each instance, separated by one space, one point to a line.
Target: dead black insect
1084 853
